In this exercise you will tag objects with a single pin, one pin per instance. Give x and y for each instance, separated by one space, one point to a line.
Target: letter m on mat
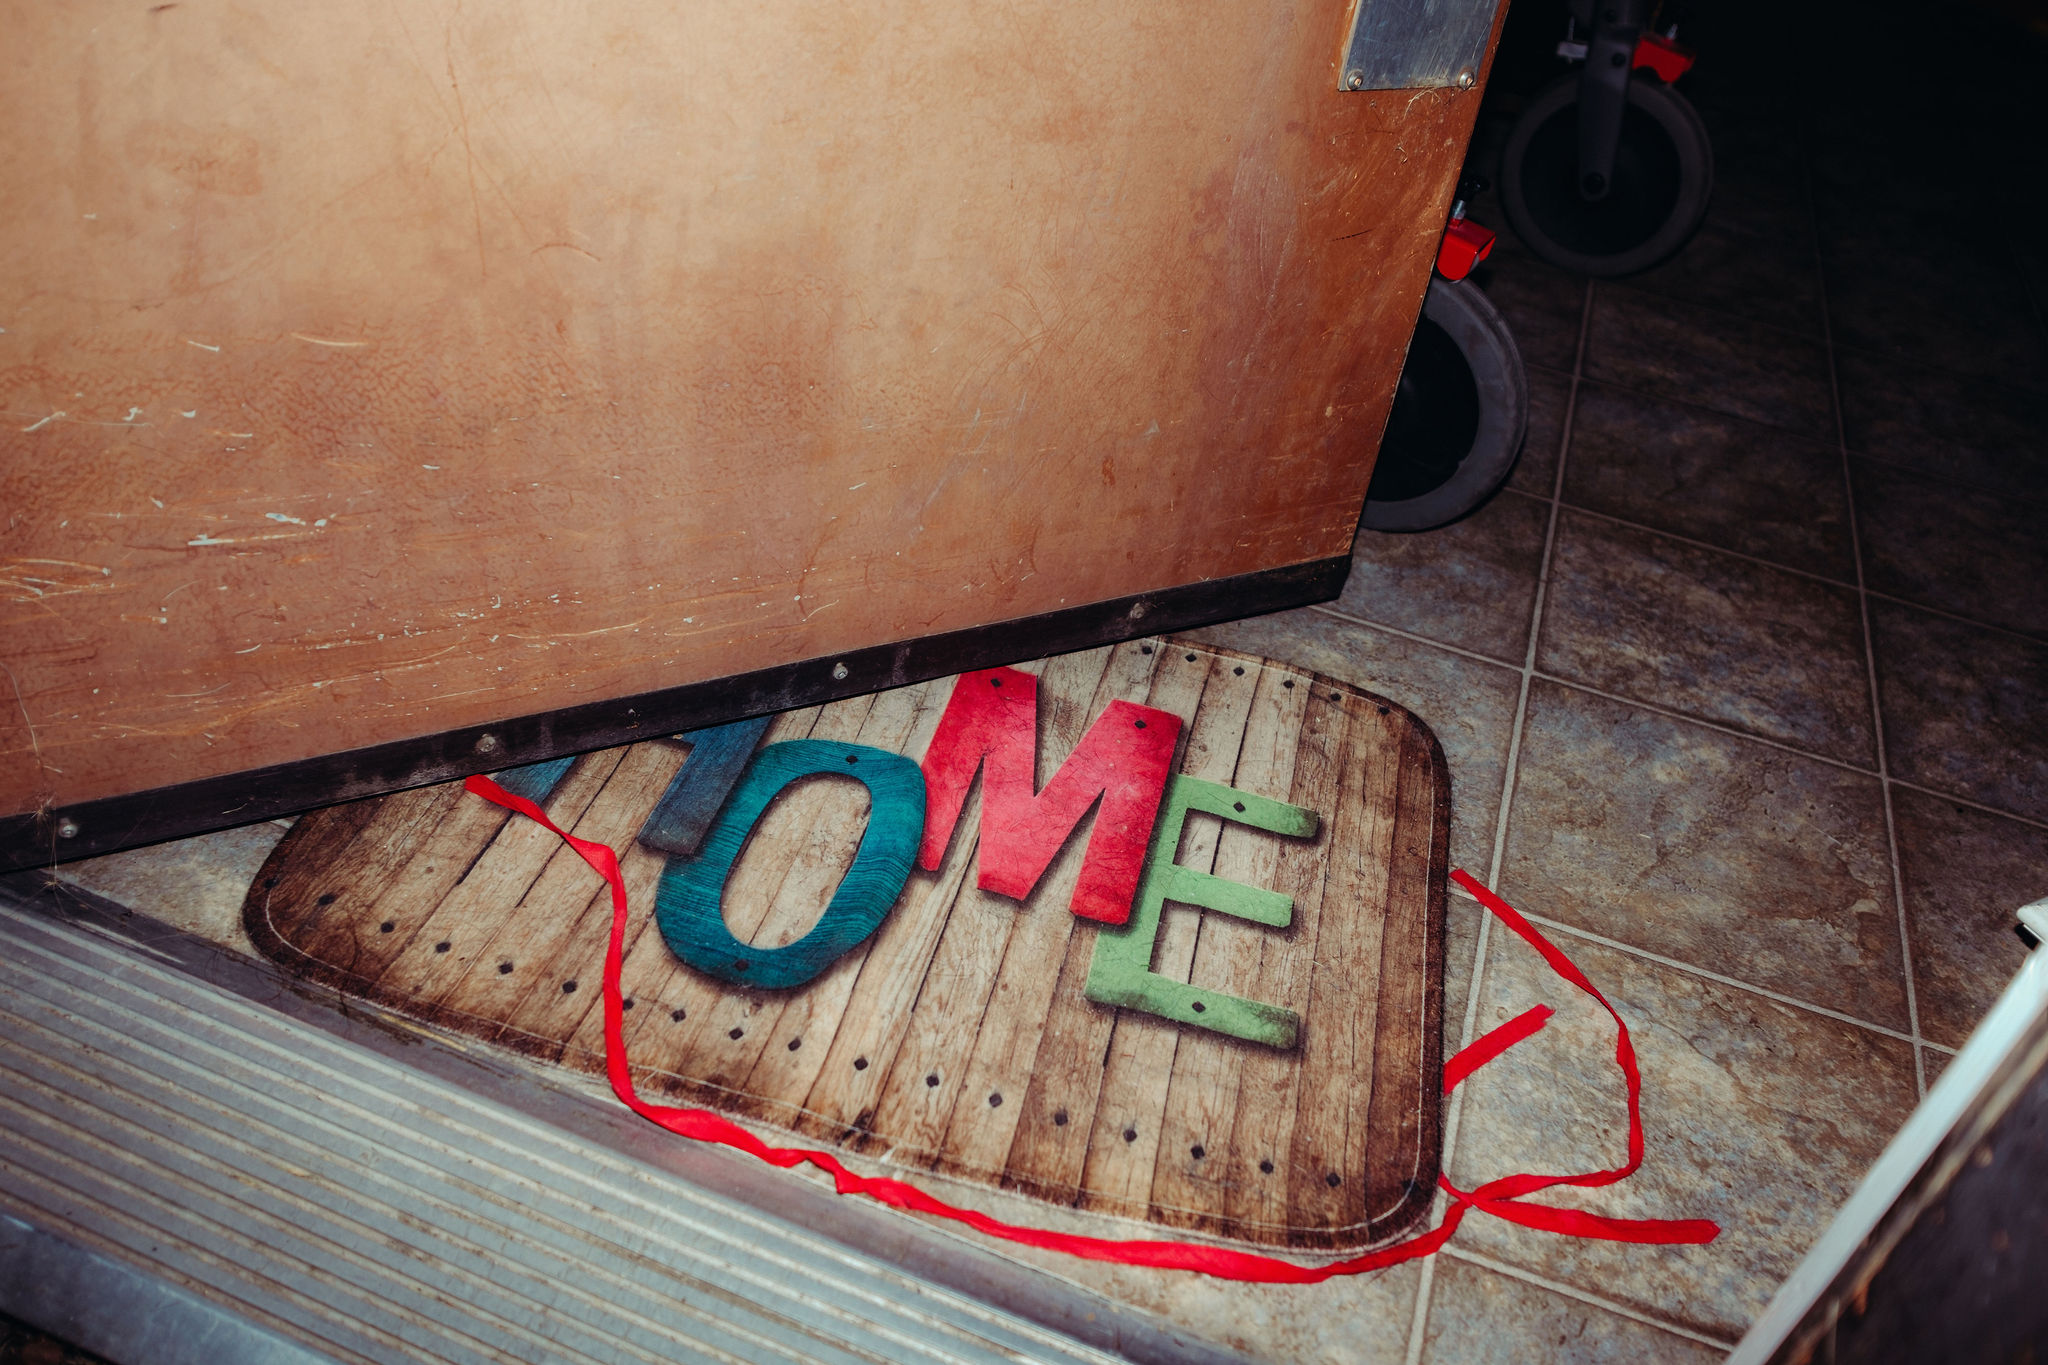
991 723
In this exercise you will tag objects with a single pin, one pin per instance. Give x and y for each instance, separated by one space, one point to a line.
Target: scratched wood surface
370 373
958 1037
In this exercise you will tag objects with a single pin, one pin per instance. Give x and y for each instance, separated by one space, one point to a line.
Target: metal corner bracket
1415 44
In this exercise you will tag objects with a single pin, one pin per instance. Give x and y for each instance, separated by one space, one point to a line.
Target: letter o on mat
689 903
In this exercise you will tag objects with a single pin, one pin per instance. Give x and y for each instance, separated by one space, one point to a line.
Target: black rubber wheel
1663 177
1459 415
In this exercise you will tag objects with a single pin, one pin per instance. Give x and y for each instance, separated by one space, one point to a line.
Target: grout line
1966 801
1714 310
1909 362
1824 336
1960 619
1667 399
1921 474
1418 1323
1796 433
1891 831
1799 434
1351 618
1694 969
1655 708
1573 1292
1663 534
1667 534
1425 1284
1528 669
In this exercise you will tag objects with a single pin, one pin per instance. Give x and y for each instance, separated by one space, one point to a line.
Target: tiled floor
1744 685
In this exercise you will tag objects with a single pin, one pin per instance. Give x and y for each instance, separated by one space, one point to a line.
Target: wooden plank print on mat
1182 963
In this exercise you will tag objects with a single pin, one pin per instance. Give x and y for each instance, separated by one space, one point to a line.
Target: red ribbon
1496 1197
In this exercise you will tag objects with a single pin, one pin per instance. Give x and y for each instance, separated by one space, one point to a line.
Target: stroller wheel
1663 177
1458 419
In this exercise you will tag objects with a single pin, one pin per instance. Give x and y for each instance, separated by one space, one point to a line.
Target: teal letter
688 905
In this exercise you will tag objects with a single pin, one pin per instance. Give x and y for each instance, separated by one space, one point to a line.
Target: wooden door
394 392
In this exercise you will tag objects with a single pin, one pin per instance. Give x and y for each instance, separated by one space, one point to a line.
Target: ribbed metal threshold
187 1174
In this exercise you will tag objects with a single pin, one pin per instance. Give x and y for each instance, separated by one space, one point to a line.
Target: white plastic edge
2025 998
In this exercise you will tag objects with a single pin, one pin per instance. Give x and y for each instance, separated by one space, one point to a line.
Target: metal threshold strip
190 1171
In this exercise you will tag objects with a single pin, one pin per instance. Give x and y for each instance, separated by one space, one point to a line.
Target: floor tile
1729 640
1770 279
1964 550
1535 472
1758 1116
2030 277
1461 941
1759 181
1471 584
1933 304
1469 705
1541 303
196 884
1874 157
1709 849
1740 485
1967 430
1963 708
1965 873
1697 355
1350 1320
1481 1317
1859 186
1853 210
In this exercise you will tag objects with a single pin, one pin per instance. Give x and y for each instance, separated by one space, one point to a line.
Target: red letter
991 722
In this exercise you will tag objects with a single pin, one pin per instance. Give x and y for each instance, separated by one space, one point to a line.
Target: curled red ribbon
1495 1197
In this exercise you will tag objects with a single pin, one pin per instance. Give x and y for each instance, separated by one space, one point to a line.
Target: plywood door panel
371 373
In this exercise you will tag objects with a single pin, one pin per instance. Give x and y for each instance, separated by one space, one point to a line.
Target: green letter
1121 971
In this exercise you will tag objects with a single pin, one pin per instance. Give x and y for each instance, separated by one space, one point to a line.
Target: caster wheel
1663 176
1459 415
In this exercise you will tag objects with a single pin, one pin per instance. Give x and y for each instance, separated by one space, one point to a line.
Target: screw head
67 828
487 744
839 672
1355 81
1464 79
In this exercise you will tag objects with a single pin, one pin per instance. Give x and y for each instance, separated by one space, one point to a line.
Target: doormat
1154 931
